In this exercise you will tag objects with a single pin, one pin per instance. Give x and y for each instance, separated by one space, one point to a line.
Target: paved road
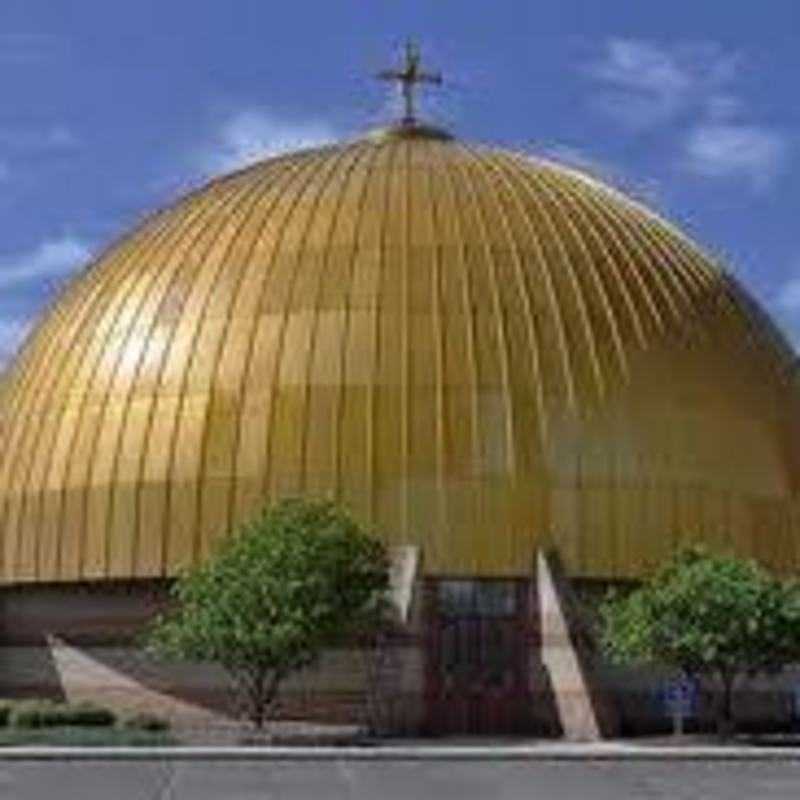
440 780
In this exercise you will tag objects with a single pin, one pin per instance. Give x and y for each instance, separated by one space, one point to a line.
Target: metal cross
408 77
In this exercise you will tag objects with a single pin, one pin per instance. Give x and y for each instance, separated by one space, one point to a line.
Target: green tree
298 578
709 615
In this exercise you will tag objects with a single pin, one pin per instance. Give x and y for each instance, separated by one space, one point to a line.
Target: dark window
466 598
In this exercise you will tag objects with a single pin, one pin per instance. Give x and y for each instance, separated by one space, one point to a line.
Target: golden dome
478 351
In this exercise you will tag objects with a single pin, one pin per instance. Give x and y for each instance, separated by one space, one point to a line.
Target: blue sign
679 697
796 704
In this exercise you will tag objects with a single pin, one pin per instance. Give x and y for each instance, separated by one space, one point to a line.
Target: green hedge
48 714
144 722
6 706
42 713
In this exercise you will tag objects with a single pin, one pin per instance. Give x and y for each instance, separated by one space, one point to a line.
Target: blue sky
112 108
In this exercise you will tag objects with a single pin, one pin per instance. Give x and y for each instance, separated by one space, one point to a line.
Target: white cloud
13 331
785 304
646 84
783 298
581 159
251 135
731 150
53 258
645 191
787 297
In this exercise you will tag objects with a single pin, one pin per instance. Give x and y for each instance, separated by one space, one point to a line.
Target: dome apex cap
413 130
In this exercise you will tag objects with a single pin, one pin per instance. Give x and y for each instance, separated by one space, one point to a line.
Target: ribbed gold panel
478 352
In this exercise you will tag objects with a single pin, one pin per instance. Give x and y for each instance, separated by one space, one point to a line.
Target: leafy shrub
32 714
144 722
300 577
48 714
88 715
708 615
5 711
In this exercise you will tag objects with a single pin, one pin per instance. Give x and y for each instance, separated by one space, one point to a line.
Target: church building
528 383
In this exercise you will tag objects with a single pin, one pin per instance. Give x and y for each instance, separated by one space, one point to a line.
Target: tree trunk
268 691
257 702
256 690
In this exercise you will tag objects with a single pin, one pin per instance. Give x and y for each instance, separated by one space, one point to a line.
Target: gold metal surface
477 351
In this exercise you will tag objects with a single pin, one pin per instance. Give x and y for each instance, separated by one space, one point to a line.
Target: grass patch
75 736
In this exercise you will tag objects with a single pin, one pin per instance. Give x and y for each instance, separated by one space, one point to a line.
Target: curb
400 753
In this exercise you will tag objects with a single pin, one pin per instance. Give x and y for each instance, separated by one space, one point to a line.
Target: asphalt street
386 780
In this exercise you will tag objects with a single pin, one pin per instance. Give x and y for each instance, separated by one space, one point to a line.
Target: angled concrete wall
585 709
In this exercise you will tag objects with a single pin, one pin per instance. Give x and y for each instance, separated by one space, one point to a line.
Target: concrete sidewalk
421 751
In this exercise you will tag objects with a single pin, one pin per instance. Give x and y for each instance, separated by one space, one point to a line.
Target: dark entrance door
477 657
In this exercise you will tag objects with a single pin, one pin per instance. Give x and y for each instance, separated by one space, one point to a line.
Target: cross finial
408 77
